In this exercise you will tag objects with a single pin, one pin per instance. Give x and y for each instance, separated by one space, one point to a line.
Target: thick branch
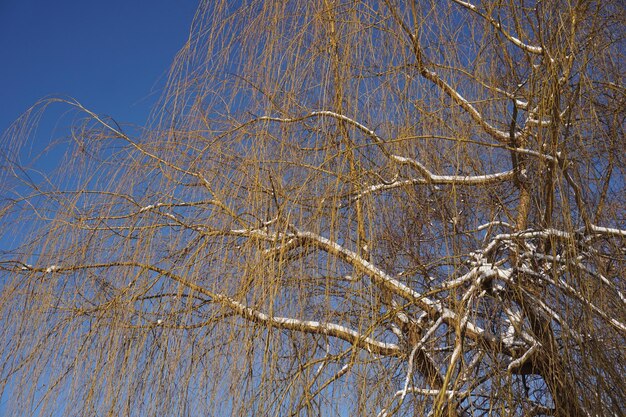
455 179
432 307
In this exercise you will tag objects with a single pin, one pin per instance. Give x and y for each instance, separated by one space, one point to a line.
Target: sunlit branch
337 116
577 295
497 25
330 329
577 263
384 280
299 238
499 135
137 146
389 186
455 179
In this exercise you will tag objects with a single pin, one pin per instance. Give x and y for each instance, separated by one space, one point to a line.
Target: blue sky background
112 56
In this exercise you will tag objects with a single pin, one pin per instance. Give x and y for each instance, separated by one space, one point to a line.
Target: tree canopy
373 207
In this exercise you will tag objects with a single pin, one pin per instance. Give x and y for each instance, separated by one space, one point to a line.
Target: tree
340 208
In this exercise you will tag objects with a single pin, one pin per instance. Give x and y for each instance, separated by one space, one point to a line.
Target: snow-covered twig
522 359
383 187
433 392
494 223
403 392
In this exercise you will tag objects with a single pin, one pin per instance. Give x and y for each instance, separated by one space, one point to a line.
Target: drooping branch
286 323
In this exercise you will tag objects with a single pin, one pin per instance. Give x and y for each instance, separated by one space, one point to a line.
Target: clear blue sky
111 55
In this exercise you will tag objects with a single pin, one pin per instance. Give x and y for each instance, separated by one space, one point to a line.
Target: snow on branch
325 113
608 231
526 234
517 363
148 207
435 308
381 278
330 329
455 179
432 307
497 25
389 186
497 134
52 268
308 326
549 232
491 224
